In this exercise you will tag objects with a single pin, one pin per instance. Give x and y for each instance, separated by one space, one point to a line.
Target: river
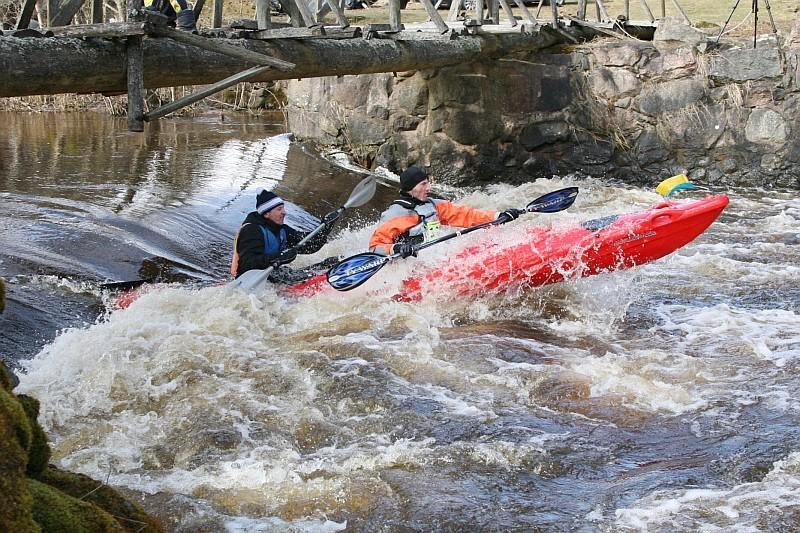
663 398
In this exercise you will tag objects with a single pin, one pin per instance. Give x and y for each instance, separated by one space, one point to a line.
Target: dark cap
266 201
412 176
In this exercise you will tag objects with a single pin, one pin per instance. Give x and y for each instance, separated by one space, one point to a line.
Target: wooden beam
302 7
109 30
441 25
528 14
493 11
394 15
97 11
602 10
65 13
581 14
69 65
479 7
455 7
508 12
286 33
206 91
686 19
418 36
338 13
135 82
216 18
52 9
598 27
221 47
290 8
263 21
554 11
25 15
647 10
198 8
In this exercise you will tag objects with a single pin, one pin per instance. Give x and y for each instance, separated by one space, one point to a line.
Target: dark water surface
659 399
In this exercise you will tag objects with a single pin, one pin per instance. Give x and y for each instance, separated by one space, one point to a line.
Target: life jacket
426 229
273 245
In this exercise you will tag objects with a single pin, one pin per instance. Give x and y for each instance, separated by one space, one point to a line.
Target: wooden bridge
146 52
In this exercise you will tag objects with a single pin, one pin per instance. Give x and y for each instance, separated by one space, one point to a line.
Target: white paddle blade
362 193
252 281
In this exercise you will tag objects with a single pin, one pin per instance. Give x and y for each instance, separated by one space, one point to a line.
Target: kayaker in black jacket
264 240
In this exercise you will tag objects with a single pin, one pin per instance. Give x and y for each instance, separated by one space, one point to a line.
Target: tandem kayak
541 256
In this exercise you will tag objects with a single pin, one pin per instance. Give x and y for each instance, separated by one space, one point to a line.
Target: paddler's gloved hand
331 217
510 214
287 256
404 249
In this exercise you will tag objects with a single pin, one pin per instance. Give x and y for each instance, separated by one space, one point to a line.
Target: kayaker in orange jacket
414 218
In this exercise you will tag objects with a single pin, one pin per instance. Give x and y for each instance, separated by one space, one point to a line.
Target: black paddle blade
355 270
553 202
125 285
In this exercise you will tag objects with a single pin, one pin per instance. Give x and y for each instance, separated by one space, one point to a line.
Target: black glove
331 217
405 249
510 214
286 256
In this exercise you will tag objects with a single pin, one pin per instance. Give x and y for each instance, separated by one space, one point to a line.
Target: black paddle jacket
252 252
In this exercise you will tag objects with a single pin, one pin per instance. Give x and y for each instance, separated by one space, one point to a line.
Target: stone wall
632 110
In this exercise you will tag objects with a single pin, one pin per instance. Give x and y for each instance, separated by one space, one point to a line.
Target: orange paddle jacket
410 220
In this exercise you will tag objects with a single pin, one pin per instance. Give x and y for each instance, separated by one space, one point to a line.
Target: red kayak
541 256
548 255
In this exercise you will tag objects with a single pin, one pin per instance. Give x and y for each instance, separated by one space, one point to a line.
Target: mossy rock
129 515
2 295
38 451
5 377
55 511
15 438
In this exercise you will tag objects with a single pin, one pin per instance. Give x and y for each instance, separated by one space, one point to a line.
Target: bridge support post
263 15
135 58
394 15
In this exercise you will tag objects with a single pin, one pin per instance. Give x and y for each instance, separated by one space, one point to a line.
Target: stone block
613 83
535 135
469 127
746 64
402 122
623 55
766 126
674 32
410 95
669 96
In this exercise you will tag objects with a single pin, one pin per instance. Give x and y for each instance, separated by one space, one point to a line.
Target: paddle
256 280
355 270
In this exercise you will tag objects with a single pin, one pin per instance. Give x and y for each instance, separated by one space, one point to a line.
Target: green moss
131 516
55 511
5 377
38 451
18 426
2 295
15 437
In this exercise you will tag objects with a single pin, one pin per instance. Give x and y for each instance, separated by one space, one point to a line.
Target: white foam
743 508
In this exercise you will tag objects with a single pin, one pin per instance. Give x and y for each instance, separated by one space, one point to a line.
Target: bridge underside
86 64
